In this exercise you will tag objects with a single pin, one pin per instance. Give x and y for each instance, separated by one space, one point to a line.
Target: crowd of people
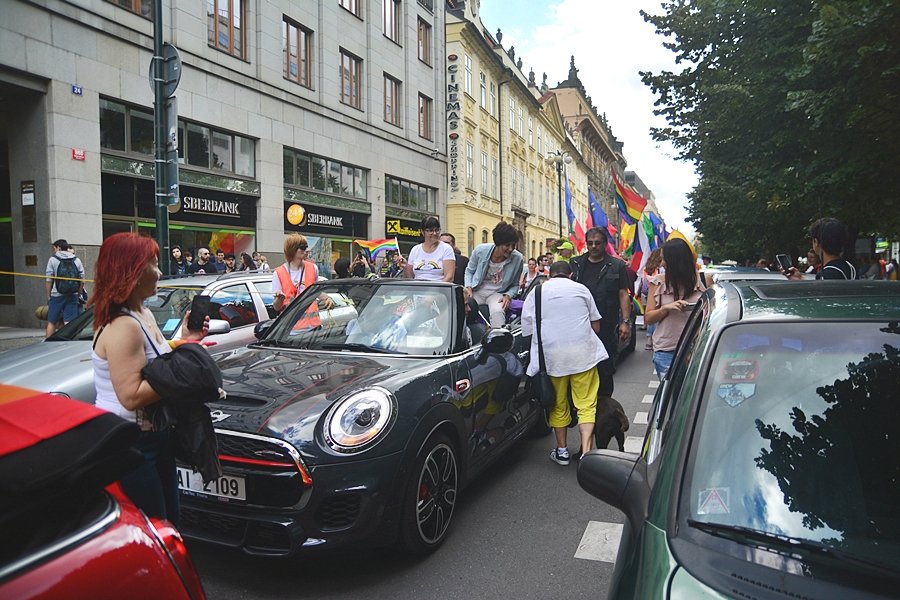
582 313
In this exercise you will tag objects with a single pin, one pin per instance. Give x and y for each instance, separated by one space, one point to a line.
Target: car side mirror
620 480
218 327
262 328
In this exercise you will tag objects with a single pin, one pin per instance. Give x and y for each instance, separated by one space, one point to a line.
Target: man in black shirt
607 279
461 261
829 237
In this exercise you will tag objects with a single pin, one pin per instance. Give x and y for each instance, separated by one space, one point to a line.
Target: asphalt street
519 532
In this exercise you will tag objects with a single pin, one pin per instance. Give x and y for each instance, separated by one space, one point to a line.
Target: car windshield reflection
799 436
359 316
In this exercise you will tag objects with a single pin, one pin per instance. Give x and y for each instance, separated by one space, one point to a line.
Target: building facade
323 117
501 130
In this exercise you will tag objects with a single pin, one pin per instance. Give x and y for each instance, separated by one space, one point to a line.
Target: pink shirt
667 332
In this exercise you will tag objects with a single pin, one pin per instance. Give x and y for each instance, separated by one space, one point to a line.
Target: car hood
58 367
284 393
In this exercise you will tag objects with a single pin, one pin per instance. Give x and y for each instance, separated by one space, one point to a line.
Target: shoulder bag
542 386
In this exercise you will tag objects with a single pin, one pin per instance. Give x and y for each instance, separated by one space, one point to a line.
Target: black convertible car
357 418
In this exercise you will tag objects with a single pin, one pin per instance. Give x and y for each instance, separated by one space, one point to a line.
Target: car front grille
338 511
253 448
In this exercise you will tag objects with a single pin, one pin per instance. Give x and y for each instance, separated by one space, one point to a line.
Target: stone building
324 117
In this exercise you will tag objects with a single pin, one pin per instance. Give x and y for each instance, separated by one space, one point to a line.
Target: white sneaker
559 458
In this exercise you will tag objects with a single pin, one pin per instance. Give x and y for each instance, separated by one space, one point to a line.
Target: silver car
62 363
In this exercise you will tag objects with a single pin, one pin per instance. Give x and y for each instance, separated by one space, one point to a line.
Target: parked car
358 424
721 274
61 364
770 464
68 529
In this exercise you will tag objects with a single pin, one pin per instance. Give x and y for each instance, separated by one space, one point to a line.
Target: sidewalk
16 337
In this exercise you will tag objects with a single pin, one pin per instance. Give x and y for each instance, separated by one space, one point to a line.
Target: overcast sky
611 43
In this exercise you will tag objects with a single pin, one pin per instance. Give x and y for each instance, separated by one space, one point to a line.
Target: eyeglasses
595 243
431 230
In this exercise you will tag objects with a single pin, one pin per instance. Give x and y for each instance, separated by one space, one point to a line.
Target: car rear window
798 435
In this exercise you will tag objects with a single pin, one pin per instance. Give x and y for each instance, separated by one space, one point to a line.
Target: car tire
429 497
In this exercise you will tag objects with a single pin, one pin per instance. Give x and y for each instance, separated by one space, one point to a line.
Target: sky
611 42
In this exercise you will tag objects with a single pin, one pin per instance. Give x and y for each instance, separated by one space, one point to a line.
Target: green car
771 464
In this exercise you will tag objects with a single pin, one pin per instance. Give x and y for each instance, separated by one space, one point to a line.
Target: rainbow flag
376 247
631 204
638 307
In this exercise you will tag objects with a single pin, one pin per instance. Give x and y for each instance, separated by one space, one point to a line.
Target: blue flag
569 212
598 217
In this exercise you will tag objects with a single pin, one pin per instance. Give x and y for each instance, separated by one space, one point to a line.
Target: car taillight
178 554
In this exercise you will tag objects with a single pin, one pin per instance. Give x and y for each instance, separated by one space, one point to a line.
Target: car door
234 304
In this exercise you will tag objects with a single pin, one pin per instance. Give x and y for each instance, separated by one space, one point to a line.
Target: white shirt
570 345
430 265
296 277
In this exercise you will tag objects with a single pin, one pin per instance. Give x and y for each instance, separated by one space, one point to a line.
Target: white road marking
654 384
600 541
633 444
647 399
641 418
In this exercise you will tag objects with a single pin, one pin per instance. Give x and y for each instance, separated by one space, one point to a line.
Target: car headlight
360 420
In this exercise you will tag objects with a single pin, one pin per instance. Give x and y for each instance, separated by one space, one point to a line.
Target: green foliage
788 109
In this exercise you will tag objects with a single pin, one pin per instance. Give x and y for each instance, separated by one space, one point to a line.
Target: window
391 100
483 97
226 25
296 43
233 304
512 113
424 34
493 100
470 240
494 177
351 71
428 4
484 173
540 147
470 166
468 61
407 194
140 7
130 130
390 17
521 122
484 236
308 171
531 132
351 5
425 117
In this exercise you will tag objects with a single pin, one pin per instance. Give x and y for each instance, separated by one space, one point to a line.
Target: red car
68 529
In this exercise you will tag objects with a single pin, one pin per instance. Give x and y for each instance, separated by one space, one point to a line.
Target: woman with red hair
126 339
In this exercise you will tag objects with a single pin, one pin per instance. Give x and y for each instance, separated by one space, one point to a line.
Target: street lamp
558 158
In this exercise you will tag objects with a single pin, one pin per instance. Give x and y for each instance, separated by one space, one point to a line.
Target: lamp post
559 158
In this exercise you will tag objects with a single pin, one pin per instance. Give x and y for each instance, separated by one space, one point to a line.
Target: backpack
67 268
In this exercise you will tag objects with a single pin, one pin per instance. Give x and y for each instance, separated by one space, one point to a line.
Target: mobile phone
784 261
690 305
199 312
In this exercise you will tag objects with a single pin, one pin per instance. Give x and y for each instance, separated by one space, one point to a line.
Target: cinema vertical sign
453 112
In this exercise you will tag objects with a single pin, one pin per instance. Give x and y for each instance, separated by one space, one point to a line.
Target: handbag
543 388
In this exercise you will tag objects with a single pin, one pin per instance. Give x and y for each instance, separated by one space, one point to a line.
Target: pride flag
576 233
376 247
596 216
631 204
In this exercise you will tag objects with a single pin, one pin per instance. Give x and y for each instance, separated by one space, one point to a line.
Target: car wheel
429 498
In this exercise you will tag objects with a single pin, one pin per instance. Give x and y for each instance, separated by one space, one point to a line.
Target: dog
611 423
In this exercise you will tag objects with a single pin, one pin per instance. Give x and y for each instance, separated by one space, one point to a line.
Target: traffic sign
170 73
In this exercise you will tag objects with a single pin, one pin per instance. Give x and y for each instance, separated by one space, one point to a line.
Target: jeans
662 360
153 485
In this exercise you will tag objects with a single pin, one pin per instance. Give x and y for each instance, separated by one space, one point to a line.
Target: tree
785 109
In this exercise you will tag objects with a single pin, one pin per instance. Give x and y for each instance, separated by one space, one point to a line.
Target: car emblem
218 416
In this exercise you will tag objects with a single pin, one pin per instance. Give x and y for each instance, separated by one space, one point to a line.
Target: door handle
462 386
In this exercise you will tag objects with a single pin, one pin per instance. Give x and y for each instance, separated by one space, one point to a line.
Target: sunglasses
304 247
595 243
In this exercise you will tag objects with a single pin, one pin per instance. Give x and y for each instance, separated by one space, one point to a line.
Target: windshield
799 435
364 316
168 306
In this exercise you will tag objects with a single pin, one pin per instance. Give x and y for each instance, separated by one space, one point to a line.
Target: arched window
533 248
470 240
484 236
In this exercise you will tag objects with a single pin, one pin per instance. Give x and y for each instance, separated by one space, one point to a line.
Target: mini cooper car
68 529
61 364
358 418
771 462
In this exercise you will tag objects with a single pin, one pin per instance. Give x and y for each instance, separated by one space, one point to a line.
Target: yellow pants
584 396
